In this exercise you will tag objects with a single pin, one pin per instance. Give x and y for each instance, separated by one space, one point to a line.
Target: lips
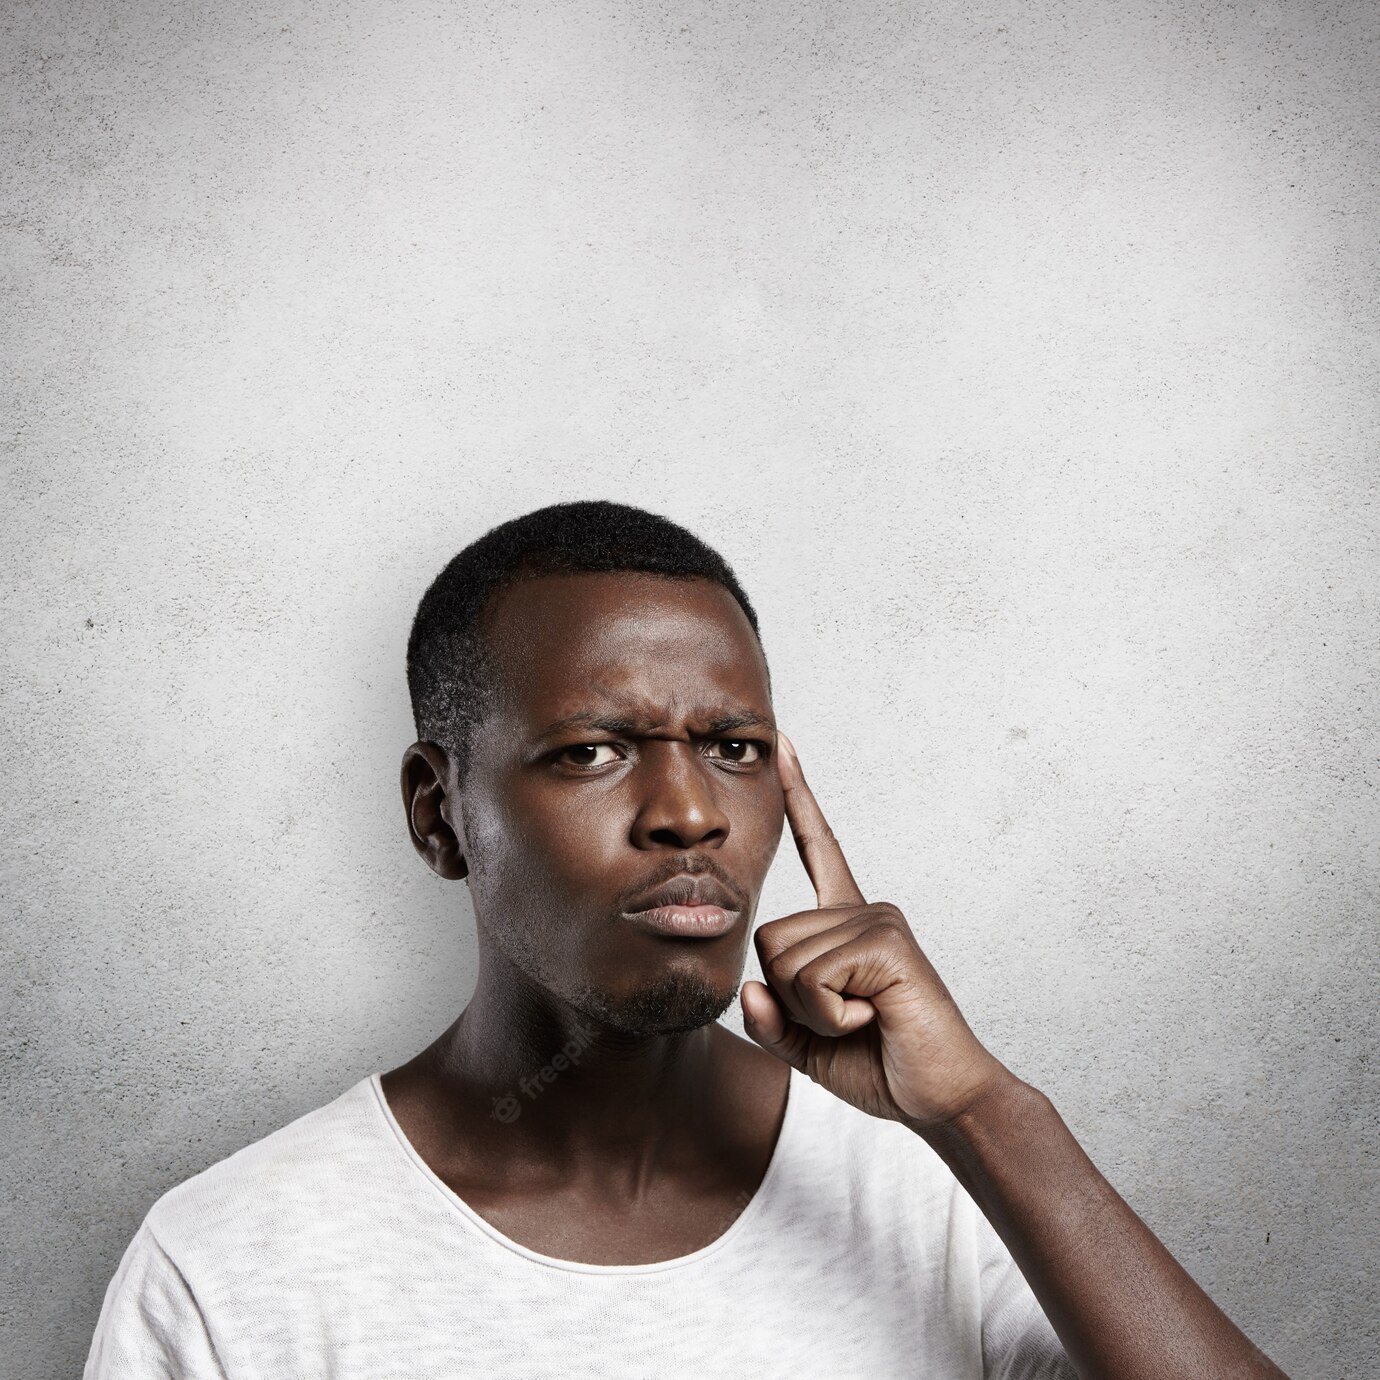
687 891
684 922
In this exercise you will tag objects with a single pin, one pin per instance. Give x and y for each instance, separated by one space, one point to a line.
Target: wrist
996 1111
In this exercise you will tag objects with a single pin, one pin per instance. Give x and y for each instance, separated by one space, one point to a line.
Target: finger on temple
819 850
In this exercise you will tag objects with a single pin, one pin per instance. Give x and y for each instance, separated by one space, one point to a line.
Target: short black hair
449 674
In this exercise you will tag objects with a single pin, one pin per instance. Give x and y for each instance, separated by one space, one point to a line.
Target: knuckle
765 939
777 969
889 915
814 977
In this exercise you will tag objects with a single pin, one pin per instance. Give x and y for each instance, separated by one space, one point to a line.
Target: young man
586 1175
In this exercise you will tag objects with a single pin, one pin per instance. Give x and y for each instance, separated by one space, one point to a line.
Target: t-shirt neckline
780 1151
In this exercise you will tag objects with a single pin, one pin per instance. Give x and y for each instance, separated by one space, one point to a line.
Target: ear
426 778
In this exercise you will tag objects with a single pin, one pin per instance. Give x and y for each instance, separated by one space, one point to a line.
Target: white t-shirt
328 1250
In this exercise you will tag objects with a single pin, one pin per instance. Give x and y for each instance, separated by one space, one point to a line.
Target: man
586 1175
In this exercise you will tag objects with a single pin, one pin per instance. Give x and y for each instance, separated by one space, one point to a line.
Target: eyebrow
620 723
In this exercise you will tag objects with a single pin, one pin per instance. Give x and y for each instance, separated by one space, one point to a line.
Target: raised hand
852 1001
850 998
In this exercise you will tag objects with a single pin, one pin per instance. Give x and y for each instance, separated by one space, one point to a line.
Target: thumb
766 1022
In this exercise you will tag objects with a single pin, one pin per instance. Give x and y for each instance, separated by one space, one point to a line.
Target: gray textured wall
1021 359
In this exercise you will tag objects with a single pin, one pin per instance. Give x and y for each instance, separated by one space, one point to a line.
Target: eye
741 752
586 747
749 744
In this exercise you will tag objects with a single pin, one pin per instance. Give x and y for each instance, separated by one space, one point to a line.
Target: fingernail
786 746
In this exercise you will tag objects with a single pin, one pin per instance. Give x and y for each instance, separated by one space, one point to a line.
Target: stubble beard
673 1002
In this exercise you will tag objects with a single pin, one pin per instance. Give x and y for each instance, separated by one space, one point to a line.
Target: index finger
820 851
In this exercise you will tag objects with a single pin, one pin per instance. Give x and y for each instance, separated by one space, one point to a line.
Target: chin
674 1002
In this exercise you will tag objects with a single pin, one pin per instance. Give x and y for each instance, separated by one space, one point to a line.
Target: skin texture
648 1144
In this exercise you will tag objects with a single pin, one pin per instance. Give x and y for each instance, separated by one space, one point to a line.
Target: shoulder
886 1171
850 1127
297 1173
230 1237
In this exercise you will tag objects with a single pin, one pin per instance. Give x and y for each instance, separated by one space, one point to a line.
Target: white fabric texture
328 1250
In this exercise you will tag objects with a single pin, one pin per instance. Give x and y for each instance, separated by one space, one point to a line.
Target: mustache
681 877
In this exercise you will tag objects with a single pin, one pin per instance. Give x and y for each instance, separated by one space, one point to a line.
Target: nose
679 807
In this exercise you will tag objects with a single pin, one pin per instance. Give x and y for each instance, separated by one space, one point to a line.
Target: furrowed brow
614 723
726 723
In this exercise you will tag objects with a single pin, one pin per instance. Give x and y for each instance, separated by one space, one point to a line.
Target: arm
851 1000
1122 1306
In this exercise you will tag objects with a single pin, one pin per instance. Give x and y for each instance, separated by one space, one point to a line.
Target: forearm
1123 1307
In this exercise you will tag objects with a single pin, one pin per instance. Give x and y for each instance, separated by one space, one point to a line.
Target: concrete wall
1022 361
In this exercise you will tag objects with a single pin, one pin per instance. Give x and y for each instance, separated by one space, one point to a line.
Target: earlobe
425 774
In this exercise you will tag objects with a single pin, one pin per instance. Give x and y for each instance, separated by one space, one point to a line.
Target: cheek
508 857
566 850
771 848
768 820
757 819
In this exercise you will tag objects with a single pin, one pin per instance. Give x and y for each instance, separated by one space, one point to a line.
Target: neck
552 1086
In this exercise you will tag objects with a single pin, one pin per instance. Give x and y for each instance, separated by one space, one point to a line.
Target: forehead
641 644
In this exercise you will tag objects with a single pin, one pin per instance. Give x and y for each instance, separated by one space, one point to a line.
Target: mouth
687 907
685 922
